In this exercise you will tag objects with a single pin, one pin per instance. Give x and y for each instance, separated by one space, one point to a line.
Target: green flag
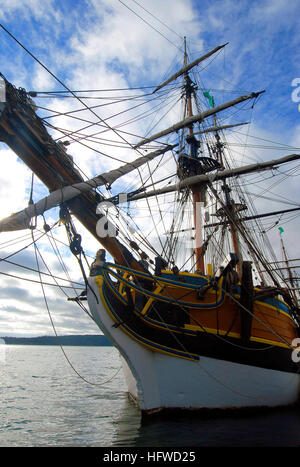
209 97
280 230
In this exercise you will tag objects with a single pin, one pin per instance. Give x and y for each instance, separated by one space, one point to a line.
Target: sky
102 44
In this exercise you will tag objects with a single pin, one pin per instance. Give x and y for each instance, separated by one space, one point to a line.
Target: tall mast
290 275
198 191
232 208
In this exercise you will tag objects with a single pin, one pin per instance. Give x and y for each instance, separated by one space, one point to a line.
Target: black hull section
193 345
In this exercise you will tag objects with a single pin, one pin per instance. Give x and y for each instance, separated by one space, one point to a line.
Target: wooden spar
218 128
285 268
257 216
21 219
227 173
198 118
23 131
189 66
242 219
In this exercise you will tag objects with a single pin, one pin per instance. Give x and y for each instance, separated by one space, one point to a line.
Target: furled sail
188 67
220 175
220 127
21 220
197 118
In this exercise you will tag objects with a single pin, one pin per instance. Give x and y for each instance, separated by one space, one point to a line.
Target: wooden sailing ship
209 337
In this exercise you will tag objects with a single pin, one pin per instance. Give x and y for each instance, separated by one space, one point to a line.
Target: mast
290 275
193 164
231 208
198 191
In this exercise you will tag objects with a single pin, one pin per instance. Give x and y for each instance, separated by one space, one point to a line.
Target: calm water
45 403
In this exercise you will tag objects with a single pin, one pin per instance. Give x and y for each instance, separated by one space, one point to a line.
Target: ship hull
158 381
208 384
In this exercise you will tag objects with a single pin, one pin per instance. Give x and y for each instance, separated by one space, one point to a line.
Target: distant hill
81 340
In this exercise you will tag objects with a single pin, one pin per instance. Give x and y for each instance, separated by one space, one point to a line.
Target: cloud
119 36
14 187
32 9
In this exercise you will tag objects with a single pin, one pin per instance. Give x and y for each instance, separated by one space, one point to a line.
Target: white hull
158 381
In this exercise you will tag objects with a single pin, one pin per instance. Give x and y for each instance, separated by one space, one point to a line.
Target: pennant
209 97
280 230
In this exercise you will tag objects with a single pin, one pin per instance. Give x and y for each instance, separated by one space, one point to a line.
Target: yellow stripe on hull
150 345
215 320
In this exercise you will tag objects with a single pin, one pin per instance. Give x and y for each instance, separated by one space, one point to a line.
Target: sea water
80 400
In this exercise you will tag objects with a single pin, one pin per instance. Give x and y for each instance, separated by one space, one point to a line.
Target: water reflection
278 427
45 404
2 350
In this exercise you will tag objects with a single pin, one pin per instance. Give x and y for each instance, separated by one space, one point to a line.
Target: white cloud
29 9
14 182
118 38
41 79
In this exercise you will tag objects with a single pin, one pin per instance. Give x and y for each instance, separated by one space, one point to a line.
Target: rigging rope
161 34
36 251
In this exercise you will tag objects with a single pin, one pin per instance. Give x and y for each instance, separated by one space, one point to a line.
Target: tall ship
201 306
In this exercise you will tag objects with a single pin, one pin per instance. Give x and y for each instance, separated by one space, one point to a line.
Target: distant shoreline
80 340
